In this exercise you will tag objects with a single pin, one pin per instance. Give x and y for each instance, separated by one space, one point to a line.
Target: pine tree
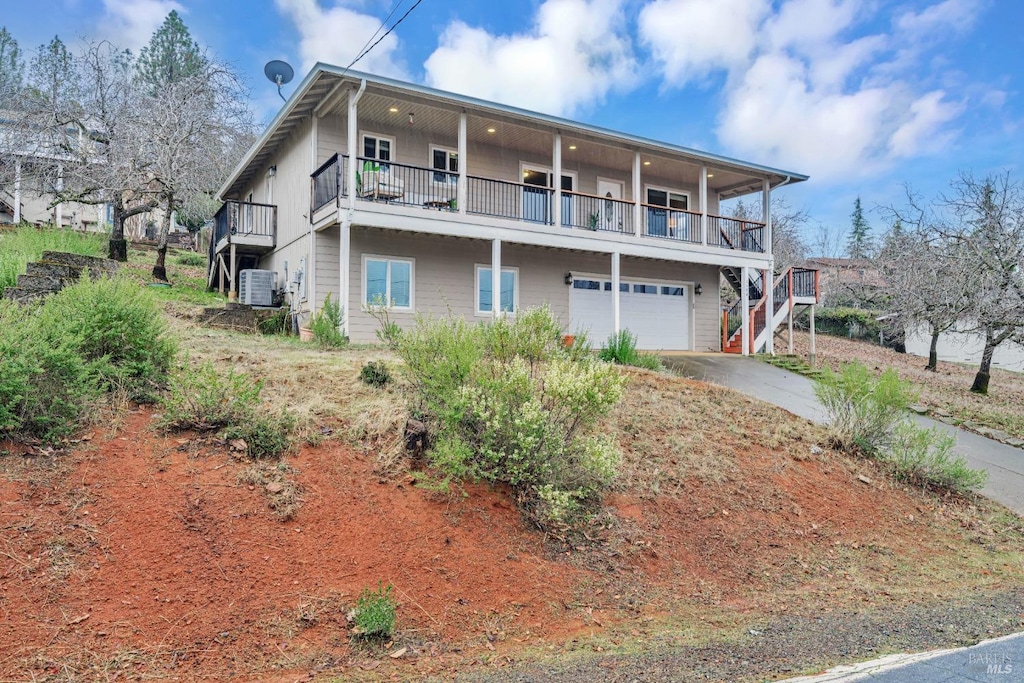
859 245
12 67
171 56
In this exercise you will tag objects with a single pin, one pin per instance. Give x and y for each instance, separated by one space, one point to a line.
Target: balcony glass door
537 194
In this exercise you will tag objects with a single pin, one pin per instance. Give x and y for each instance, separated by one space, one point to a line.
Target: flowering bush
510 404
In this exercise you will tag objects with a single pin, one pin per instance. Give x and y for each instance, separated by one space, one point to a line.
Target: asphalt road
795 393
992 661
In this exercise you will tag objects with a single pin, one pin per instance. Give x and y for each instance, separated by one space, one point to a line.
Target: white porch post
638 212
353 143
616 317
232 293
766 213
814 355
59 209
703 204
556 162
17 191
790 317
344 263
745 310
496 278
462 190
769 309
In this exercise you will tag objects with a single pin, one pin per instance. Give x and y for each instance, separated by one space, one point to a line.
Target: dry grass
320 388
948 389
276 481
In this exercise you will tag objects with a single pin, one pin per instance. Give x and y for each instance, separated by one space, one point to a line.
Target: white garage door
658 313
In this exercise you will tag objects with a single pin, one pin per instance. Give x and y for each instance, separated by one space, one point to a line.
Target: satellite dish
279 73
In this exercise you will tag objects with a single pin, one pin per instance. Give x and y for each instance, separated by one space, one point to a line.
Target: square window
388 282
509 292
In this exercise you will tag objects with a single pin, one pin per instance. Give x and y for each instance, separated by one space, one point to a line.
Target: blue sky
863 95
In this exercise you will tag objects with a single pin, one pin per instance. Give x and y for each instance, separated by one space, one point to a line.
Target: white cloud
131 23
575 54
335 35
958 15
807 85
690 38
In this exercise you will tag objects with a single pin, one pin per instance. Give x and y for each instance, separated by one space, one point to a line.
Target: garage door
658 313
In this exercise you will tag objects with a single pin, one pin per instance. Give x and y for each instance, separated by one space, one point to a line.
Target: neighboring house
381 192
848 281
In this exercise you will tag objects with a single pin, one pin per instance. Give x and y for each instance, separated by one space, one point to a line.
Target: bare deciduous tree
988 230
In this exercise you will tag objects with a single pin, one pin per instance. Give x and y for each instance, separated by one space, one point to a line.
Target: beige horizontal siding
444 279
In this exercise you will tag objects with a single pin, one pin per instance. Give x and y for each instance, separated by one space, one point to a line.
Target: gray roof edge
320 67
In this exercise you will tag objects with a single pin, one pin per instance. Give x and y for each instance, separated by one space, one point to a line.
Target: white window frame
378 137
668 191
454 177
412 281
525 166
476 290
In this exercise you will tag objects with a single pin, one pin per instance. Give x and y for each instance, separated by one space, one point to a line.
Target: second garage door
658 313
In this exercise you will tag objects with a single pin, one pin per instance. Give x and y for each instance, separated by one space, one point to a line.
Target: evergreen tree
171 55
12 68
859 245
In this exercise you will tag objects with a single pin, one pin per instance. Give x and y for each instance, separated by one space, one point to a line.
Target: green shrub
375 613
278 323
266 435
202 399
326 325
114 327
188 258
868 414
863 409
44 388
375 373
621 348
925 456
510 404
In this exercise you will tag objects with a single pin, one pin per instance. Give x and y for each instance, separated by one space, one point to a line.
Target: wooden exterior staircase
795 288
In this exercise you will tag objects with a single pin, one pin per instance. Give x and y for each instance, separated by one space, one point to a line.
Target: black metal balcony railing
805 282
404 185
674 224
591 212
326 183
735 233
245 219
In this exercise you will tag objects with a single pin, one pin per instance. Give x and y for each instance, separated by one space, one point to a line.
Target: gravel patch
788 646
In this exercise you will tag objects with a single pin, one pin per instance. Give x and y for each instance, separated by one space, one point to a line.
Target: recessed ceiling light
490 130
711 175
393 110
647 163
572 146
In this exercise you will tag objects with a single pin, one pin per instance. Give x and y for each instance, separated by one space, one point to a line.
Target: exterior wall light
568 278
697 289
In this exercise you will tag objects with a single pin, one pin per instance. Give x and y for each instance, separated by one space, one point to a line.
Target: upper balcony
409 157
435 190
250 227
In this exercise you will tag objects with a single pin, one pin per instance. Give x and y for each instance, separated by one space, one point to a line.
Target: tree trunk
160 269
933 353
980 385
118 245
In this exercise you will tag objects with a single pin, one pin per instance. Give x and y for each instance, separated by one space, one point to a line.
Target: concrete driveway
795 393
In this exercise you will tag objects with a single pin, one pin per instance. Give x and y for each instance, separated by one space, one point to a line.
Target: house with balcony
380 192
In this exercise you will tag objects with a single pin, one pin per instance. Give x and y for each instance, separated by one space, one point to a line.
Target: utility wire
366 51
362 50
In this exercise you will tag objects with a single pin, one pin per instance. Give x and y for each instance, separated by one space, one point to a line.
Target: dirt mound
141 555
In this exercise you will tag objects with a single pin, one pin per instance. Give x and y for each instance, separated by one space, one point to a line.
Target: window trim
412 281
668 191
377 136
477 267
453 177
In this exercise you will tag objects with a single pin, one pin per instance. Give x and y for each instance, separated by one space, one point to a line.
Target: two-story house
382 192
